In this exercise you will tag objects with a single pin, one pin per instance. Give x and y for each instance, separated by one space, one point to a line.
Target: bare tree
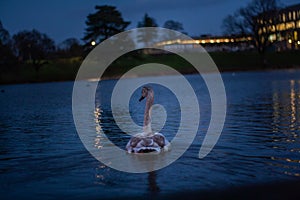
233 24
33 47
257 19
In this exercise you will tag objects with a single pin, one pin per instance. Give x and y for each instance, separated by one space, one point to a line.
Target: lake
42 156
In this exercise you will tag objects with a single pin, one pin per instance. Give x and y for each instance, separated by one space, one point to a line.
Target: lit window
273 28
281 27
290 25
272 37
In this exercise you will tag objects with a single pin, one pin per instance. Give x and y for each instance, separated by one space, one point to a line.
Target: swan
147 141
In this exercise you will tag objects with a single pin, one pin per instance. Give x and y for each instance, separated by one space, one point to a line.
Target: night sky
62 19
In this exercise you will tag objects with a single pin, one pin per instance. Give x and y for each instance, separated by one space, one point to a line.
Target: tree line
36 48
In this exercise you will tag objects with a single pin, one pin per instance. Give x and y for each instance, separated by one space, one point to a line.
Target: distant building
283 27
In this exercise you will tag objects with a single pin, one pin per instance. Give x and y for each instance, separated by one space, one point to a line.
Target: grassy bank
54 70
66 69
243 61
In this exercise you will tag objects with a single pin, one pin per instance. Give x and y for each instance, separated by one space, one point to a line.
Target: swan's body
147 141
140 143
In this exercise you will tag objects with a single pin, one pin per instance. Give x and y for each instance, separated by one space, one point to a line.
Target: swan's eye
145 91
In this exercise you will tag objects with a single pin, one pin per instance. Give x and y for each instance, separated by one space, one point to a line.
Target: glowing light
290 41
293 102
93 43
272 37
298 42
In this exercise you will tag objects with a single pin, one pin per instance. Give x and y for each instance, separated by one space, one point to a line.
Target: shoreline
61 69
106 78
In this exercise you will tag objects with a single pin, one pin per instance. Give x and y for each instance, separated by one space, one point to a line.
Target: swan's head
145 91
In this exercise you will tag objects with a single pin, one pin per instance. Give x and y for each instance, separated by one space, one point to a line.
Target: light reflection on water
41 154
286 116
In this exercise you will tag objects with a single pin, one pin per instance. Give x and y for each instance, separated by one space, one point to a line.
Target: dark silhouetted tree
147 22
4 35
7 58
174 25
70 47
33 47
6 53
147 37
104 23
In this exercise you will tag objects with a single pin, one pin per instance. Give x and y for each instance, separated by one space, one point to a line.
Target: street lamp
93 43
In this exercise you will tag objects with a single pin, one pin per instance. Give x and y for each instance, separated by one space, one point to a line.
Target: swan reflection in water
104 177
147 141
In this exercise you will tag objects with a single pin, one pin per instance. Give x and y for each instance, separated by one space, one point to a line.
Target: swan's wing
167 144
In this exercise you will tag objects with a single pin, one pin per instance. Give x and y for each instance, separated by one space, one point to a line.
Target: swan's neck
147 114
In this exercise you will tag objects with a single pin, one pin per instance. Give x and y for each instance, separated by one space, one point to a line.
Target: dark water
42 156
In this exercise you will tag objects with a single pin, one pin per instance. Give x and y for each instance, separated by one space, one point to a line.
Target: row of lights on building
205 41
291 41
93 43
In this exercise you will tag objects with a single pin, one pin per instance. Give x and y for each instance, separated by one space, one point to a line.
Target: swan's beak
141 98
